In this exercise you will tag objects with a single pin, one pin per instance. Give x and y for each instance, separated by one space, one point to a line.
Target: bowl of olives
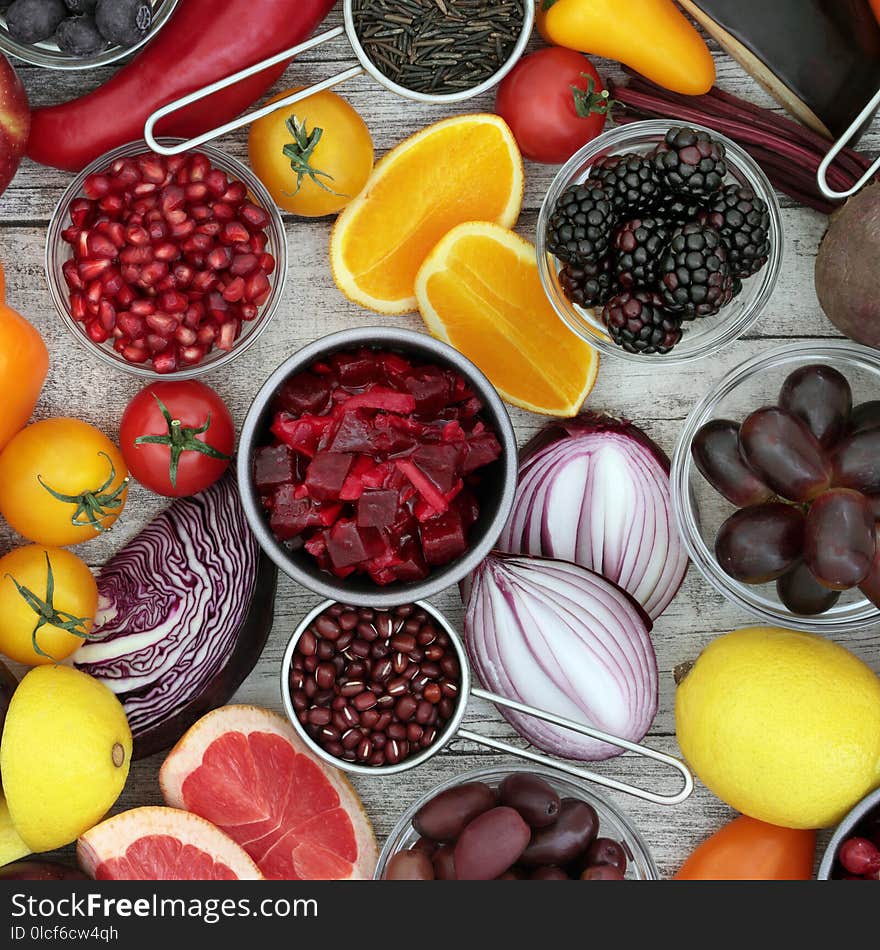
776 486
514 823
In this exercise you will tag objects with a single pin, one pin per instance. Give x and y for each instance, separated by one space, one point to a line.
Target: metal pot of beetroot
379 691
377 466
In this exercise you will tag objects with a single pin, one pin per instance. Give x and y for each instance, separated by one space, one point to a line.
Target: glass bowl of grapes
776 486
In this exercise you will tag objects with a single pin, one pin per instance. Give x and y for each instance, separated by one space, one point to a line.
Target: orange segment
480 291
456 170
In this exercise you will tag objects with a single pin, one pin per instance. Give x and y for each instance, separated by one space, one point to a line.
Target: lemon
783 726
64 756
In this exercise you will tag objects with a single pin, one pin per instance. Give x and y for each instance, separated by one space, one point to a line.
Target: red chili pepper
202 42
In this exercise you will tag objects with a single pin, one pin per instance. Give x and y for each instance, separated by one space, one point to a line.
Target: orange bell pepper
751 850
653 37
24 362
875 6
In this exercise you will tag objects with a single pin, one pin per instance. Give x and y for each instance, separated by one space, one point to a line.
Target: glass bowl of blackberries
660 242
776 486
79 34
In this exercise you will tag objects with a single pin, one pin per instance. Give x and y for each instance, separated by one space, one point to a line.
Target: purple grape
870 585
715 450
865 416
821 398
839 541
856 462
803 594
760 543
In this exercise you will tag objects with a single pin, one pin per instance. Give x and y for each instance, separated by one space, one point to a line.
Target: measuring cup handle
837 148
248 117
577 771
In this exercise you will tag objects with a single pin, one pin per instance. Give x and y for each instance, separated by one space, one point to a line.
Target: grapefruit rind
188 755
345 280
112 838
543 363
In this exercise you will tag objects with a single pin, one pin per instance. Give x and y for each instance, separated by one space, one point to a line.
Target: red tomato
177 437
554 102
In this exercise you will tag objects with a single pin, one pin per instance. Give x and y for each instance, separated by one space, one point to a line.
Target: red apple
15 122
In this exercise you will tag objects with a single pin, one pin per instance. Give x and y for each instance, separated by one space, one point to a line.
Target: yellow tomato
62 481
314 156
67 603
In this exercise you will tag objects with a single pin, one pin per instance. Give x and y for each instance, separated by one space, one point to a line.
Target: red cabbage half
184 611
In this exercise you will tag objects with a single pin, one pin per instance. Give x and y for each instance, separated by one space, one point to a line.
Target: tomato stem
92 506
180 439
48 614
300 150
588 102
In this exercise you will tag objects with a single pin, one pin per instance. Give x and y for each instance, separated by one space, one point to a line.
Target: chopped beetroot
374 464
378 508
443 538
273 466
326 475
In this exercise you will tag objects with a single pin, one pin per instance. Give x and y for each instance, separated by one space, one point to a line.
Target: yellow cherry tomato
48 600
62 481
314 156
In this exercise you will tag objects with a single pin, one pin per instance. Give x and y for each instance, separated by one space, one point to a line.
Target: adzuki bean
373 686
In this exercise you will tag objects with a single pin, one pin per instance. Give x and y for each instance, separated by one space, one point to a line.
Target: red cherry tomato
177 437
554 102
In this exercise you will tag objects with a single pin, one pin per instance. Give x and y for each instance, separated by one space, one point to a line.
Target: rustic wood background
658 400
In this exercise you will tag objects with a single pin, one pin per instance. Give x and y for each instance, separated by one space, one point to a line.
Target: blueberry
123 22
32 21
81 6
79 35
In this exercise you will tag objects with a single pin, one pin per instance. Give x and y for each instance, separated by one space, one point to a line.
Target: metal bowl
48 55
495 493
844 830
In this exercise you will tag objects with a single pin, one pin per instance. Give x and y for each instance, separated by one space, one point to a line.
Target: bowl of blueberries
79 34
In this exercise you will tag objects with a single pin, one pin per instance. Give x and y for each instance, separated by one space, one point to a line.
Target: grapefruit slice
246 770
162 844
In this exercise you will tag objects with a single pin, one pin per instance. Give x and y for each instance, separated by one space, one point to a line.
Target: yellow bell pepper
653 37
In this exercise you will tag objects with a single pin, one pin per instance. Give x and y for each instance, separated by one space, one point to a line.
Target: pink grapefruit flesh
162 844
245 770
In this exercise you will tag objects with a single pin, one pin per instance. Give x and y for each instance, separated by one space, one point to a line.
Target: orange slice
480 291
456 170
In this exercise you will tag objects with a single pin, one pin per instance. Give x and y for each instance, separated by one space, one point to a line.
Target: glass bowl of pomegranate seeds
166 266
853 853
377 466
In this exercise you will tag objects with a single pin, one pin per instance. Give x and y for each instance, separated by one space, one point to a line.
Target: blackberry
580 227
631 180
638 245
691 163
79 35
81 6
636 323
677 209
588 284
32 21
123 22
695 279
743 221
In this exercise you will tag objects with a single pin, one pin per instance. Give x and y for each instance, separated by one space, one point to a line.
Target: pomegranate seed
228 334
166 361
233 232
267 263
145 188
107 314
131 325
242 247
167 251
143 308
126 177
210 228
196 191
178 216
113 205
206 334
255 217
112 282
171 199
81 248
71 275
135 219
199 167
125 295
130 273
257 288
135 353
156 343
190 355
96 332
146 206
162 323
152 273
183 275
197 244
259 242
223 211
218 308
204 281
94 295
859 856
193 316
165 284
219 259
174 163
152 168
249 311
185 335
96 186
90 270
235 193
173 302
117 333
78 307
70 235
200 213
100 245
243 264
82 212
136 255
116 232
184 229
216 182
120 344
137 236
234 290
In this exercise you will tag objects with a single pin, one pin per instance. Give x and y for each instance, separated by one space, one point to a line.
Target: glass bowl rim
683 465
634 838
725 333
58 289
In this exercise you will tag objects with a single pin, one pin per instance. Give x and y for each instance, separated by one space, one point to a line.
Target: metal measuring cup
364 65
453 727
